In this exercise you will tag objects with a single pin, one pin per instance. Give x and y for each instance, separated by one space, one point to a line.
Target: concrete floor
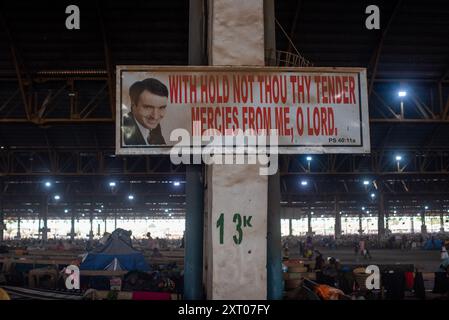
424 260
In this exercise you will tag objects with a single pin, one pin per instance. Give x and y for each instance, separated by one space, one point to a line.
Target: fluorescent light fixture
112 184
130 197
65 210
398 158
365 182
57 197
48 184
176 183
304 183
309 158
402 93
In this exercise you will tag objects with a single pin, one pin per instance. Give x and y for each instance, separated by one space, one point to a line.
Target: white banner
314 110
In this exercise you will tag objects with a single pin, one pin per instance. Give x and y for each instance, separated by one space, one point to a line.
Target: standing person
444 254
298 242
362 247
142 126
366 253
151 242
356 248
319 260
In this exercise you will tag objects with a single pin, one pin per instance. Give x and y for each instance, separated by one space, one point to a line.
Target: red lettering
175 89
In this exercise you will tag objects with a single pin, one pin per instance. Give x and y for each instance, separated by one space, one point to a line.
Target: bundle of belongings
324 291
117 253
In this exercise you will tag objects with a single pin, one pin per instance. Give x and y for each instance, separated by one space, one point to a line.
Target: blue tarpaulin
118 246
435 245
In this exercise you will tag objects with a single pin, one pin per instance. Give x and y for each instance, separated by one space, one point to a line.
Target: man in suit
142 125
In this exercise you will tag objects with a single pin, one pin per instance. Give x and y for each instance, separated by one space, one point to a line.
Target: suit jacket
133 136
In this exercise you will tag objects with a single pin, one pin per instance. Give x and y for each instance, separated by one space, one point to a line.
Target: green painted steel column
193 241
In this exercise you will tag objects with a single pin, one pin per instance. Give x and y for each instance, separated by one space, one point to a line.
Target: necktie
149 138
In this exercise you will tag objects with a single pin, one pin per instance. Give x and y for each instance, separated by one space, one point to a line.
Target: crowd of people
148 243
398 241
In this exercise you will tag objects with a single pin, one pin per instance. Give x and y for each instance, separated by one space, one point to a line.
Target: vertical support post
2 220
360 223
337 218
441 221
423 222
381 216
290 227
193 241
91 220
309 223
193 265
18 227
274 249
39 231
72 222
44 219
115 221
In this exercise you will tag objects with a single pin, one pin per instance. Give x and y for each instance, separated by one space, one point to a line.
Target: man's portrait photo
142 125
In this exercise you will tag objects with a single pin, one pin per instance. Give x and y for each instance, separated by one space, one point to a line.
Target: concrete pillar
115 221
290 227
441 221
413 223
236 258
337 218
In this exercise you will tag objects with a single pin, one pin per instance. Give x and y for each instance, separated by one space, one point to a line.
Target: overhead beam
294 24
16 62
376 55
108 62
